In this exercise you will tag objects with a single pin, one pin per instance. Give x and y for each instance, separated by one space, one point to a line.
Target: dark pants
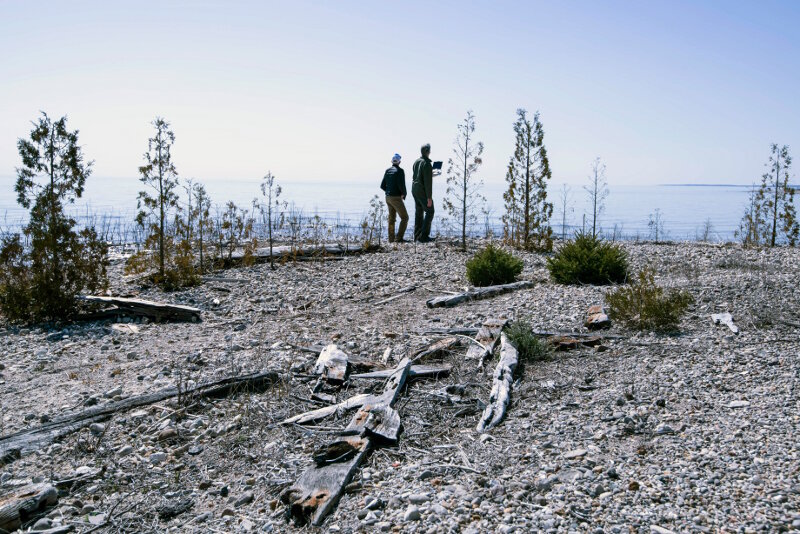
423 217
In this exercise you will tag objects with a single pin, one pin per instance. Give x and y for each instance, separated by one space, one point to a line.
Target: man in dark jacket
422 189
394 185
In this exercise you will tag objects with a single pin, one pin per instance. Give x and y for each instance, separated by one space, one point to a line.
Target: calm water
684 208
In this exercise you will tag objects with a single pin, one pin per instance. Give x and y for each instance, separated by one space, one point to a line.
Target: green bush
492 266
529 347
643 305
589 260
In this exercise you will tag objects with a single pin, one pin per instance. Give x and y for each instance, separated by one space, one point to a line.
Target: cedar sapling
42 280
526 222
462 186
271 212
156 204
597 191
205 227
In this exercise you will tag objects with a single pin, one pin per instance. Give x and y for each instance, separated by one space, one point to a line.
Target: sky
664 91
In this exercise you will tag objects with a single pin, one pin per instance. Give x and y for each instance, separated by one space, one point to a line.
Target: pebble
412 514
246 498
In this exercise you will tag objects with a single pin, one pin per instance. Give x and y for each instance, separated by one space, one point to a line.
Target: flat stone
577 453
738 404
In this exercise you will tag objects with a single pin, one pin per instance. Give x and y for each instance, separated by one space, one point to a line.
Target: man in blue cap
394 185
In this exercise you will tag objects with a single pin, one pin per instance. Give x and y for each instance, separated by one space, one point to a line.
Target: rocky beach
691 432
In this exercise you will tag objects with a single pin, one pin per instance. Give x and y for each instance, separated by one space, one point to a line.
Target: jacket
423 177
394 182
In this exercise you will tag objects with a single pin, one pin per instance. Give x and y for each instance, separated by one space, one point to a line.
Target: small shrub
643 305
492 266
589 260
529 347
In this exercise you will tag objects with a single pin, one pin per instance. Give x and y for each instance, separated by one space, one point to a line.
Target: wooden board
319 488
332 365
147 308
477 293
501 386
12 446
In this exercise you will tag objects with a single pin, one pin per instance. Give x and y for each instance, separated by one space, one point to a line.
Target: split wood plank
155 310
319 488
332 365
12 446
488 337
20 504
501 386
477 293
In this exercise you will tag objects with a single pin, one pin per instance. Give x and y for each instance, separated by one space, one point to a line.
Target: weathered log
319 488
458 331
12 446
158 311
501 386
332 365
297 252
21 504
726 319
488 337
477 293
326 411
400 293
417 371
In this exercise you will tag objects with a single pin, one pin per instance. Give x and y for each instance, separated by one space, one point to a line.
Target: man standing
422 189
394 185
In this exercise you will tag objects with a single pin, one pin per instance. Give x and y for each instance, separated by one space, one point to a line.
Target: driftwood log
501 386
321 413
416 371
487 338
299 251
22 504
318 489
476 293
12 446
157 311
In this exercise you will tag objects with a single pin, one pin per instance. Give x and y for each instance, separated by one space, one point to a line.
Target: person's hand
430 202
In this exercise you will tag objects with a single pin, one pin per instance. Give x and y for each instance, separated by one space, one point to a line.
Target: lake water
684 208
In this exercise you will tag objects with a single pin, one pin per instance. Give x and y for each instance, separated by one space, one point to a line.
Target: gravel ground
683 433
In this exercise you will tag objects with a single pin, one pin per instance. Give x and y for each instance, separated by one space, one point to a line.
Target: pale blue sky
671 91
